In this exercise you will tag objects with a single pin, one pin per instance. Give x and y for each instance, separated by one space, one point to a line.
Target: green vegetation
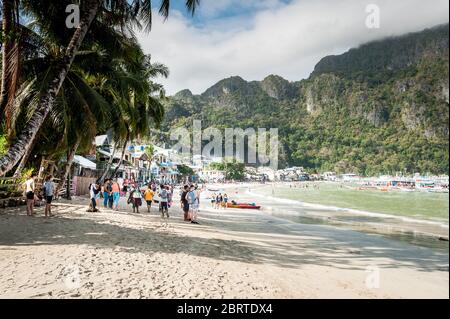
233 170
3 145
386 115
60 87
185 171
150 151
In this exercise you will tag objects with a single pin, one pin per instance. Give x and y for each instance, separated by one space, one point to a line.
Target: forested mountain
379 108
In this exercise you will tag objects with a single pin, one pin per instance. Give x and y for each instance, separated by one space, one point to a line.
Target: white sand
232 254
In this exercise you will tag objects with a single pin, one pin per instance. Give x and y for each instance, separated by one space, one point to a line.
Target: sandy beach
231 254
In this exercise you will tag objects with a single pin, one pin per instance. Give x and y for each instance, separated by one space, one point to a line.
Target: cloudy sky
255 38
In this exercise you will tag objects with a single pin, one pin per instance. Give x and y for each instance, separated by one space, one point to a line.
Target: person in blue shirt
49 188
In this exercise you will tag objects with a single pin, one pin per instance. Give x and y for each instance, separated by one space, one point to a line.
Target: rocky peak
277 87
184 95
229 86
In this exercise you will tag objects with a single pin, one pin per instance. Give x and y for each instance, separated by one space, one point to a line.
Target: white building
330 176
350 178
211 175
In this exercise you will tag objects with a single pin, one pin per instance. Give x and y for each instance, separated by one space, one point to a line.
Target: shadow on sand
253 241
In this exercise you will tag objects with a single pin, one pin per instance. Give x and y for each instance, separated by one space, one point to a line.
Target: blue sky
256 38
212 10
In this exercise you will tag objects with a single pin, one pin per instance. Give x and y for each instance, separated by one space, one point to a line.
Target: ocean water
417 205
416 218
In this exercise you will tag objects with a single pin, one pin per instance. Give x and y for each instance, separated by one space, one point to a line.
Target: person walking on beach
198 193
213 200
185 203
115 190
225 200
105 187
49 187
193 205
163 201
29 193
219 200
94 189
169 196
110 194
148 196
135 199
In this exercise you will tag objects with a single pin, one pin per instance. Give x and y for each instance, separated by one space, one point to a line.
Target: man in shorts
49 187
163 201
148 196
184 203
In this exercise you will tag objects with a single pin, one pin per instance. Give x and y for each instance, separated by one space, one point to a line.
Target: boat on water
243 205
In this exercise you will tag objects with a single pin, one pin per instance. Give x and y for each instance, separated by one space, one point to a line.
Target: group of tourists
110 192
219 201
190 203
47 193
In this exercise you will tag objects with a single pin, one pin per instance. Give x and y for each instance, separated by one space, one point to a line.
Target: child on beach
49 187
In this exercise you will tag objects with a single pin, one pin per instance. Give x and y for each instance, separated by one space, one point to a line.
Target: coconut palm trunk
7 48
24 160
26 137
124 148
65 180
110 162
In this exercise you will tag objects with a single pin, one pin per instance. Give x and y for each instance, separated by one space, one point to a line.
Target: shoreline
390 223
231 254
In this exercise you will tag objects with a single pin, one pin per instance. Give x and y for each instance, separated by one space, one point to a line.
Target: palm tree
139 107
127 12
10 54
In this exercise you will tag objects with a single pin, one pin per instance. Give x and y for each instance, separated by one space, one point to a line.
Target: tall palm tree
127 13
137 107
10 54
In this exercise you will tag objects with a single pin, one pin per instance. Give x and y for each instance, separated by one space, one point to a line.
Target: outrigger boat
243 205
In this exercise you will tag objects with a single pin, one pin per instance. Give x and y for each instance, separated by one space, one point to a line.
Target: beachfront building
329 176
164 164
211 175
201 162
268 173
292 174
347 178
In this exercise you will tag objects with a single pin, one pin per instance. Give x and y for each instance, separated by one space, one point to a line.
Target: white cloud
287 40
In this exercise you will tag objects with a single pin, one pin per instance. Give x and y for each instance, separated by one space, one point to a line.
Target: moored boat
243 205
